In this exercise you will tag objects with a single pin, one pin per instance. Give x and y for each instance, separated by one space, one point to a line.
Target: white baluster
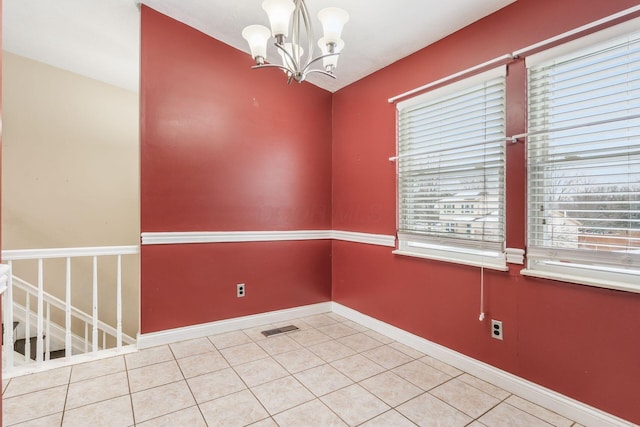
27 329
104 340
119 305
47 354
94 336
8 321
86 337
67 312
40 333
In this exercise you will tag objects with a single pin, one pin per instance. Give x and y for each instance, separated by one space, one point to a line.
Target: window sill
581 280
454 260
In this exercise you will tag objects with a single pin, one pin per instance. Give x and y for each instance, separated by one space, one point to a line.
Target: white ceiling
100 38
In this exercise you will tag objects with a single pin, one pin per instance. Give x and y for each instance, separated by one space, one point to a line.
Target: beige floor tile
190 417
48 421
5 383
360 342
354 404
94 390
33 405
260 371
488 388
279 344
229 339
109 413
353 325
310 414
216 384
148 356
310 337
336 317
38 381
280 395
407 350
202 364
391 389
476 423
255 334
298 360
267 422
505 415
191 347
323 379
357 367
379 337
154 375
387 357
235 410
243 353
441 366
390 418
424 376
429 411
158 401
465 398
331 350
97 368
319 320
539 412
337 330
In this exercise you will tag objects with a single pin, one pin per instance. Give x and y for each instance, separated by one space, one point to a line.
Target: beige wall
70 172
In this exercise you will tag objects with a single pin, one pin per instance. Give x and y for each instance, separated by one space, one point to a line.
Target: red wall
578 340
228 148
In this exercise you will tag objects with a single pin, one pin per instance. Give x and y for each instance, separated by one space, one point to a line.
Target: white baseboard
237 323
532 392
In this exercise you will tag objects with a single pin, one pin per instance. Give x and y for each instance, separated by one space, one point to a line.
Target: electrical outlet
240 290
496 329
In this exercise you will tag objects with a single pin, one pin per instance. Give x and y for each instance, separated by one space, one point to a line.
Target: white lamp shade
333 20
333 59
257 37
286 61
279 12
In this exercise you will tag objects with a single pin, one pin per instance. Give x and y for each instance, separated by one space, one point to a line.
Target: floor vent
282 330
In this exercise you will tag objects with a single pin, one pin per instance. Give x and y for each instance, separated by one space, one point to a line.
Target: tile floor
332 372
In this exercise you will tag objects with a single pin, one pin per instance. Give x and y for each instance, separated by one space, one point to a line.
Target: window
584 163
451 161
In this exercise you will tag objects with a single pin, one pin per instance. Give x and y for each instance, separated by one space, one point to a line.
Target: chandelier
290 18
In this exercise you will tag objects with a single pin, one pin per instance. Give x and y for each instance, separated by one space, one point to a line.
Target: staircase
46 327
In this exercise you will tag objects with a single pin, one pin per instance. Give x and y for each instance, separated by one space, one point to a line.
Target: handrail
22 254
59 304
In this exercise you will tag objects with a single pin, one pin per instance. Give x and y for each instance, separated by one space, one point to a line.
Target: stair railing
45 301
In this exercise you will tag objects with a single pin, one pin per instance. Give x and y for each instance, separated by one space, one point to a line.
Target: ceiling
100 38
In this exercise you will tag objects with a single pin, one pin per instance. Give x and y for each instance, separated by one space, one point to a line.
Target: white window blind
451 162
584 164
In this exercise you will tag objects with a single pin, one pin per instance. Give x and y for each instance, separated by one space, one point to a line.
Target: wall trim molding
528 390
228 325
187 237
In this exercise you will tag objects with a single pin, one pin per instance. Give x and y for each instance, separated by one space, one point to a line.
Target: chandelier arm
291 58
304 12
319 72
271 66
314 60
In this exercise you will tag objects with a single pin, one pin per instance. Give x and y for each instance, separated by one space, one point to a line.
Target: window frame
442 248
582 266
